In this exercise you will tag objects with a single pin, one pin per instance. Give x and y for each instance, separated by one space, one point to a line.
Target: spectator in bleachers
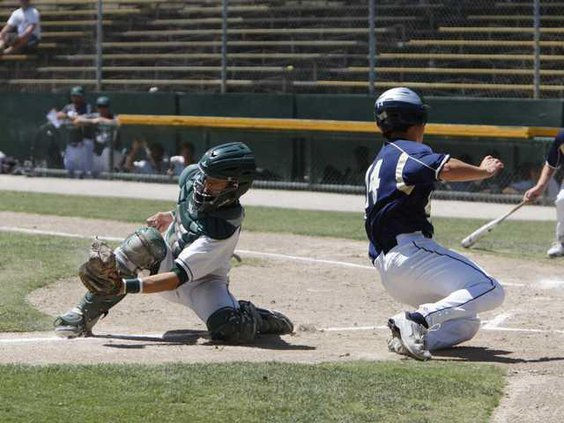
22 32
186 158
154 161
79 152
106 136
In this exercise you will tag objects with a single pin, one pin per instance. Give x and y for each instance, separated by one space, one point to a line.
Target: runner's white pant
204 296
448 289
559 202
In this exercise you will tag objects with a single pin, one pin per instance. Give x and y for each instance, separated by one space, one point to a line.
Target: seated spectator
106 136
186 157
22 32
154 162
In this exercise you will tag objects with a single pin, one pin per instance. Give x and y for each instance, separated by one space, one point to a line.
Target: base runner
553 162
445 289
190 265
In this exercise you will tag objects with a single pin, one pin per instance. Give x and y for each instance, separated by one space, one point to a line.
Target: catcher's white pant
559 202
204 296
448 289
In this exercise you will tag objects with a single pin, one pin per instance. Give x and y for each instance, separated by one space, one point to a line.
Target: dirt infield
337 303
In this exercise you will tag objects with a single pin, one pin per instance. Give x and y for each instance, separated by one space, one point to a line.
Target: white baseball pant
204 296
448 289
559 202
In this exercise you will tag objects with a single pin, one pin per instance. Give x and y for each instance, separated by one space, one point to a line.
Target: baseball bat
488 227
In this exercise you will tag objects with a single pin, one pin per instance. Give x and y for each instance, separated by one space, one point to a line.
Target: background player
553 162
446 289
190 266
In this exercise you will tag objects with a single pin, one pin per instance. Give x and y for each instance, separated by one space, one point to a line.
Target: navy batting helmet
398 109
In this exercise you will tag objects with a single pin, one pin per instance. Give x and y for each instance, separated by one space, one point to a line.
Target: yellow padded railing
308 125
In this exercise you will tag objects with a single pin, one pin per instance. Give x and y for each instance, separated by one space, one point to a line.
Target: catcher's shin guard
80 320
241 326
234 326
274 323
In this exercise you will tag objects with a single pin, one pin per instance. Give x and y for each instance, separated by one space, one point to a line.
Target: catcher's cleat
72 324
557 250
411 335
274 323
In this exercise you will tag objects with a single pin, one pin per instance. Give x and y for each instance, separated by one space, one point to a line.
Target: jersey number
373 184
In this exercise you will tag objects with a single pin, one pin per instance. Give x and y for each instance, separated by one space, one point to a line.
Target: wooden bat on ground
488 227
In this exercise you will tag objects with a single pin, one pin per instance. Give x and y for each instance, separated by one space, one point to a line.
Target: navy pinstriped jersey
398 186
556 152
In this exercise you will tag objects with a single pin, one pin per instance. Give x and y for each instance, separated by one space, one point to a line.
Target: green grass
513 238
252 392
27 263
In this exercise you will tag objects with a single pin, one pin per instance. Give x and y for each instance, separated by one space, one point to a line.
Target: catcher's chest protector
189 224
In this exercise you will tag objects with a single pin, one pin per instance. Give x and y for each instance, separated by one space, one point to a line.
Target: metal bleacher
292 45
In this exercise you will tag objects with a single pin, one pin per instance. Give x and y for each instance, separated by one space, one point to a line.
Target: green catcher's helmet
232 162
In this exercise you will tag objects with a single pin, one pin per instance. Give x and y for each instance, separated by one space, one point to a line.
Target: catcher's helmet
232 162
398 109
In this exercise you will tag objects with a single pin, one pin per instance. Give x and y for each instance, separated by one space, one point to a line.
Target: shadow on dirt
191 337
487 355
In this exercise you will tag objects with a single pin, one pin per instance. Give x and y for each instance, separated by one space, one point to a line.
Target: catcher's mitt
99 274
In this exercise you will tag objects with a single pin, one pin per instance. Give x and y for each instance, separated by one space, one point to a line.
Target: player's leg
226 318
139 251
87 156
80 320
451 333
442 285
71 159
557 250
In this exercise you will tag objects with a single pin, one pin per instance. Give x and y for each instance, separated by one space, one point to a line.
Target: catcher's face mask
211 193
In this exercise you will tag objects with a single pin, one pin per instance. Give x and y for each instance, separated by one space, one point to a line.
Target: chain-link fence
292 160
440 47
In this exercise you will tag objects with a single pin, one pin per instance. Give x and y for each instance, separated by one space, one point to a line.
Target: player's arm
544 178
150 284
29 30
457 170
200 258
161 220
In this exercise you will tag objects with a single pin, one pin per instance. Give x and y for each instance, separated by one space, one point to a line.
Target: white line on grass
249 252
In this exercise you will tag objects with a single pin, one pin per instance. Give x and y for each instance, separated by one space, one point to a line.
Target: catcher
190 264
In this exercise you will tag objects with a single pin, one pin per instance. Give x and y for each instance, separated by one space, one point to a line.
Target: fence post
99 38
371 45
536 47
224 14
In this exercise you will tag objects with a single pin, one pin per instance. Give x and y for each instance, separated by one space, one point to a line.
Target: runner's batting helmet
399 108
